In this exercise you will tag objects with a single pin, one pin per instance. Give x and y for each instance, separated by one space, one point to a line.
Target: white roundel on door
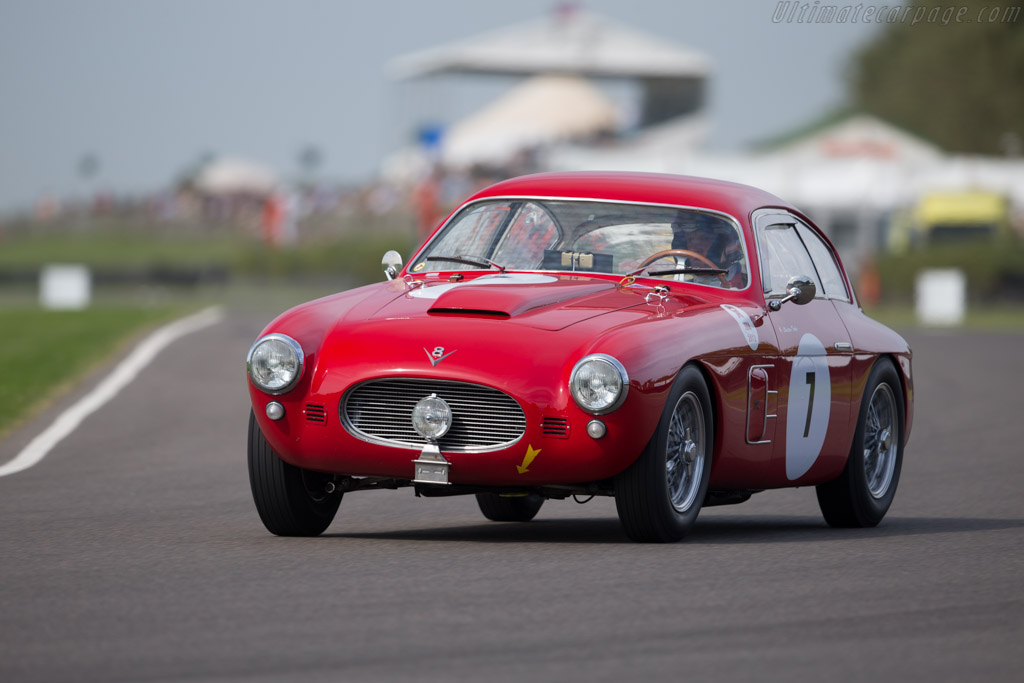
746 325
810 399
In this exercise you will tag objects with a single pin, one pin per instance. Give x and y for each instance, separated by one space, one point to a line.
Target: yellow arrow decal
530 455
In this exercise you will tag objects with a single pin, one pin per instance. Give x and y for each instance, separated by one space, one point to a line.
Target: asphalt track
132 552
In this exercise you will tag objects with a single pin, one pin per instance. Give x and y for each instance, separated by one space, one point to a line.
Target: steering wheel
689 254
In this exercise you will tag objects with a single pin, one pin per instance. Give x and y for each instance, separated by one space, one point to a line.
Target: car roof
651 188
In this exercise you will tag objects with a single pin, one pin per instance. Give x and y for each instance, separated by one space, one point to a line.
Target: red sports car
673 342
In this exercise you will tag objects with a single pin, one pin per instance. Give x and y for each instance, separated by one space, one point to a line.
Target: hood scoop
477 312
497 297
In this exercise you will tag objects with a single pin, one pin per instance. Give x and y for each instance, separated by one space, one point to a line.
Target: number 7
811 376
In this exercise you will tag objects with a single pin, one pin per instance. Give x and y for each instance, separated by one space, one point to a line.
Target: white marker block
65 287
941 296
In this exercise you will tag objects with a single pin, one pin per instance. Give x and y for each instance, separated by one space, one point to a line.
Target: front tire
862 494
659 496
504 509
291 501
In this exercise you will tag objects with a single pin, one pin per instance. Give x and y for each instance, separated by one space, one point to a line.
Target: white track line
122 376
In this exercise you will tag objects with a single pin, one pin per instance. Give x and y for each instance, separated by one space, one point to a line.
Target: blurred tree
959 84
310 158
88 166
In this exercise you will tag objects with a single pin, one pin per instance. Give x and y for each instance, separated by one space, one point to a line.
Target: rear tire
862 494
659 496
503 509
291 501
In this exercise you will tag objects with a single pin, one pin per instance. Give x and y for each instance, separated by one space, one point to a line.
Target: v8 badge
437 355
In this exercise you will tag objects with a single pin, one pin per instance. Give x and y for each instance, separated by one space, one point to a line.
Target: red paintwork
537 333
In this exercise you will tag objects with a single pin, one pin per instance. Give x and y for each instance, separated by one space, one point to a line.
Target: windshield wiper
470 261
689 271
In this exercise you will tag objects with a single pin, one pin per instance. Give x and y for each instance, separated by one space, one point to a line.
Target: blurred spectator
869 286
280 218
426 202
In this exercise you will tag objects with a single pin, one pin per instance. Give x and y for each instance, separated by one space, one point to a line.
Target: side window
825 262
782 256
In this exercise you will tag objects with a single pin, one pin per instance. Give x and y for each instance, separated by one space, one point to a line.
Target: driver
713 238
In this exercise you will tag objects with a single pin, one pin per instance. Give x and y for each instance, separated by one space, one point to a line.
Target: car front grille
483 418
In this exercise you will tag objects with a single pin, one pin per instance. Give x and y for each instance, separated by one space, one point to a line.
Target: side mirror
392 263
800 290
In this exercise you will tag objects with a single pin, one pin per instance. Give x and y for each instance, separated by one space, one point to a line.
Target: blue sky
150 86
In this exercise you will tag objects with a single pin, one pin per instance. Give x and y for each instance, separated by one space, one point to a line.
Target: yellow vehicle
951 217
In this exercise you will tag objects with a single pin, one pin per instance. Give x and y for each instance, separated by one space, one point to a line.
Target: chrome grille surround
483 418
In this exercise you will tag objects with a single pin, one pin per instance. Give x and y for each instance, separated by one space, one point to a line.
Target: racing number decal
810 401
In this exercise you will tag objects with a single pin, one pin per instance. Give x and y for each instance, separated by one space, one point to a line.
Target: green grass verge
1005 318
355 260
351 248
118 251
994 270
43 352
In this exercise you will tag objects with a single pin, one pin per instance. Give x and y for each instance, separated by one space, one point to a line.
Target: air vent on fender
315 413
555 427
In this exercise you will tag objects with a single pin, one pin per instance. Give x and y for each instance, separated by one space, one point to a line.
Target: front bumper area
555 448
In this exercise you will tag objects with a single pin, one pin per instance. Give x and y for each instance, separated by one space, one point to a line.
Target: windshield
593 237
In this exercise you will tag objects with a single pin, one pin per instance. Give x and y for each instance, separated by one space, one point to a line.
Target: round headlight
432 417
275 363
599 383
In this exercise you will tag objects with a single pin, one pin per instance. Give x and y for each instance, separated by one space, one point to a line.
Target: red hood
541 321
547 302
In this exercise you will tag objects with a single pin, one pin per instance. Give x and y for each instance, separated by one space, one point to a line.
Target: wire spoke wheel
660 495
684 461
879 441
862 494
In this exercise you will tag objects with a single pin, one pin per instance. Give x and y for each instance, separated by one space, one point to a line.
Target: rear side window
783 256
825 262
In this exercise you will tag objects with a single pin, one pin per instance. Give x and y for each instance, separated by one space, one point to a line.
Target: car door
812 371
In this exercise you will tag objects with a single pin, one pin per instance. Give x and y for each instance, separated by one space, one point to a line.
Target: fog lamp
432 417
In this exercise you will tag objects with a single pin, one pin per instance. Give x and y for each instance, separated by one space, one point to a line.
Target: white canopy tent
567 41
234 176
541 111
850 176
670 78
